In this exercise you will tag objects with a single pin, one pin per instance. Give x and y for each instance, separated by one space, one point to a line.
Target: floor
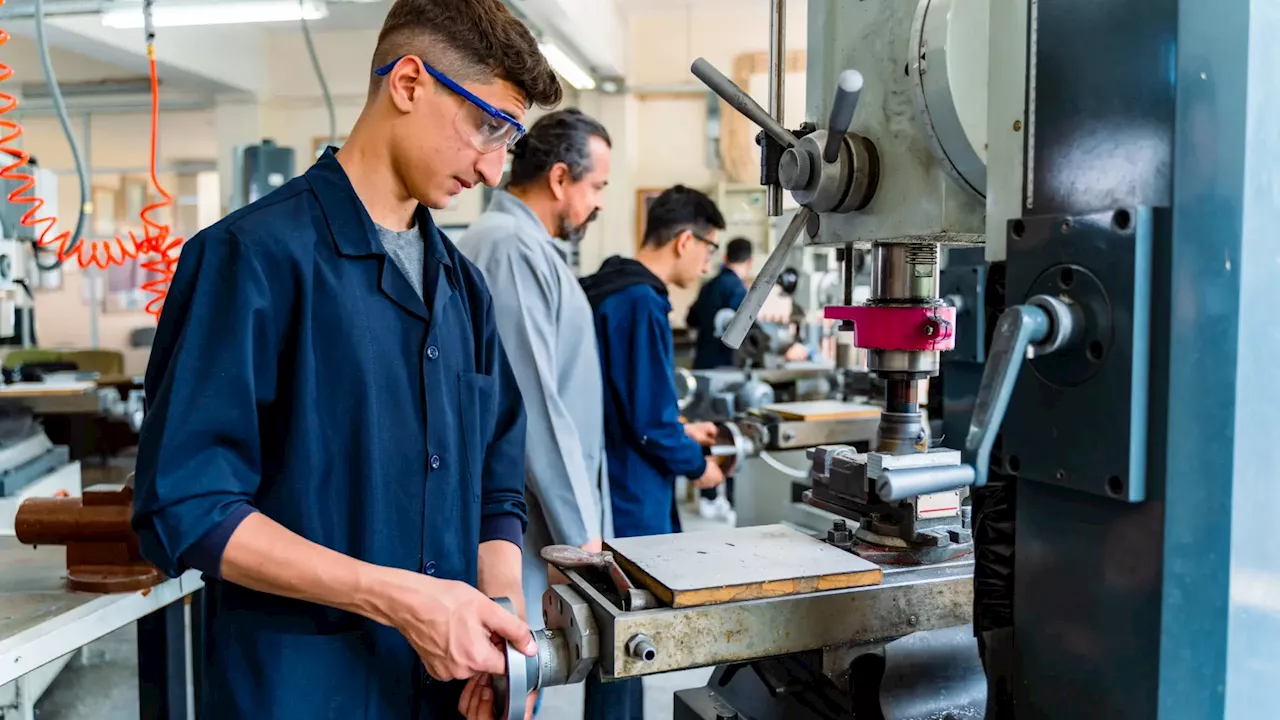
101 683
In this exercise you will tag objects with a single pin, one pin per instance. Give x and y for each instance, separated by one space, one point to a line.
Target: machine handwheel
506 704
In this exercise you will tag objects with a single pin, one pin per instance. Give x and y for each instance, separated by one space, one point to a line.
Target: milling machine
1128 258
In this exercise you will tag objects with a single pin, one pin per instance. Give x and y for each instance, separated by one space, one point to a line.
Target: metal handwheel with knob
521 672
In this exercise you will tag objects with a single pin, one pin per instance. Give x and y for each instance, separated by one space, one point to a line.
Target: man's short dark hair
678 209
560 137
737 251
470 41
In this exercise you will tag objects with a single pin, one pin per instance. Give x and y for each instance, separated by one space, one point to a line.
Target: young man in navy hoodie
646 444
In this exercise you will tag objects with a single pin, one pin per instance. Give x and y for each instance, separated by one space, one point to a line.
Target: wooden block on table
719 566
823 410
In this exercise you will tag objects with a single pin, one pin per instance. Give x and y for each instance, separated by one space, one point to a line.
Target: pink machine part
899 328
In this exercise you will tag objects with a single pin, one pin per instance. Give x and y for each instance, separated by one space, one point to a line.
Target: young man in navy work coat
335 437
646 444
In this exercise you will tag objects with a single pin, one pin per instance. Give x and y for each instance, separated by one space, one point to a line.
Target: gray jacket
547 330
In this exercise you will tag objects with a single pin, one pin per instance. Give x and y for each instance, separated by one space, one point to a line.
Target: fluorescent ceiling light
568 69
216 13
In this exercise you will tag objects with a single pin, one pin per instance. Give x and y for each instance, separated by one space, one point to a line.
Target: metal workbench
42 622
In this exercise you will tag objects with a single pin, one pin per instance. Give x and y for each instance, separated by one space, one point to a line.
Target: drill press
905 516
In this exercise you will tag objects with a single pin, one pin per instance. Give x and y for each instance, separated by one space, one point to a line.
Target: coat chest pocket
477 397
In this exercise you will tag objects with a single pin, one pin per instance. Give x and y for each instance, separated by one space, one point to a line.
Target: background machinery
1129 188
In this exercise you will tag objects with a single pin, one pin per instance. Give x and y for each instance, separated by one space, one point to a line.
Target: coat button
435 462
433 352
429 567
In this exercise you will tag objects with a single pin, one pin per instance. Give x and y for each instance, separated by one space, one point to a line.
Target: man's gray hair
562 136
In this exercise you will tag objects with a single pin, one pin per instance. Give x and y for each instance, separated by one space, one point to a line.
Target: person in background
724 291
709 314
647 445
559 172
335 436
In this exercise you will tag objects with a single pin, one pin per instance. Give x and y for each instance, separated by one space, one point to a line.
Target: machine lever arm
1020 327
742 320
848 89
1043 325
739 100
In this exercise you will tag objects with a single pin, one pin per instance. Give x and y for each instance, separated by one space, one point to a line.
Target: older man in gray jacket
556 188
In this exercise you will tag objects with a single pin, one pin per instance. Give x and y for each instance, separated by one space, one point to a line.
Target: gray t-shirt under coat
407 249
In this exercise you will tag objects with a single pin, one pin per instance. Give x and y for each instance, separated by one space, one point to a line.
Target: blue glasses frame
464 93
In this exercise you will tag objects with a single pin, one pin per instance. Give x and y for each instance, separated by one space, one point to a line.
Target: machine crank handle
1042 326
1045 324
739 100
743 319
848 89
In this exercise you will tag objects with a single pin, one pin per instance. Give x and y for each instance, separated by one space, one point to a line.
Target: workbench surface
40 620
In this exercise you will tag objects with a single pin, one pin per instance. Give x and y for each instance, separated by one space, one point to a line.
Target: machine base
941 548
935 674
113 578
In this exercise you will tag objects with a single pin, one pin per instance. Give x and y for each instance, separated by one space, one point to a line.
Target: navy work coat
725 291
297 370
644 438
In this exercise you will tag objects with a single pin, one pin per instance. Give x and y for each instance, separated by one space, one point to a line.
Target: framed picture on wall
644 198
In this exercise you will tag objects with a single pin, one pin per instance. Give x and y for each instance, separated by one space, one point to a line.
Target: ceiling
632 7
344 16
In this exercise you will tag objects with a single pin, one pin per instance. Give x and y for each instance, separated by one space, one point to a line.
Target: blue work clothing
296 370
725 291
645 441
617 700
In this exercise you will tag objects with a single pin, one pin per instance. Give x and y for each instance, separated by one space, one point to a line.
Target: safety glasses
715 246
487 127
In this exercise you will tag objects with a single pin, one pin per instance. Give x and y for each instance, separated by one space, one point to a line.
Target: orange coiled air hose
157 236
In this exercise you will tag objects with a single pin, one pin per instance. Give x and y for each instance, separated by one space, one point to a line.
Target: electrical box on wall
11 213
259 169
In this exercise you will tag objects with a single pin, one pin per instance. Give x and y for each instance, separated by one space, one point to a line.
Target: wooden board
42 389
719 566
823 410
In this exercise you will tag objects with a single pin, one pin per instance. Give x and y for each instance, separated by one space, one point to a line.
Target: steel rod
777 86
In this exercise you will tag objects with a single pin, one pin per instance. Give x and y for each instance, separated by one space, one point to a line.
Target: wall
664 133
659 140
118 141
